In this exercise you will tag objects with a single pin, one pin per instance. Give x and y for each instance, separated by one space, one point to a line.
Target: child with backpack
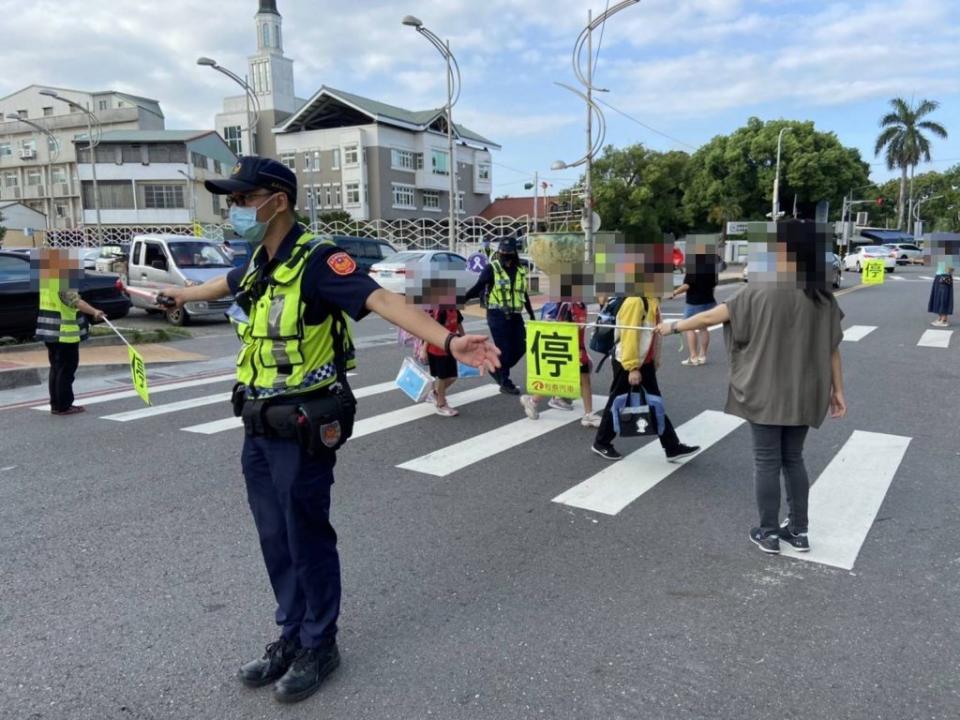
441 300
575 312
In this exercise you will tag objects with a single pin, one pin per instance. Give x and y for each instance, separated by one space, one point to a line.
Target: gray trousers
776 448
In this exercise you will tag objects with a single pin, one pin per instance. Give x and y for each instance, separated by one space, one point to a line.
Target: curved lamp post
584 73
93 139
453 95
776 178
248 91
52 156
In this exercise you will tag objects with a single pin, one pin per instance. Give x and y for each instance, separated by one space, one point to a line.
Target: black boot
306 673
275 662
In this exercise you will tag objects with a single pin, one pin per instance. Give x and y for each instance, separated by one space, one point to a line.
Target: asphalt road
133 585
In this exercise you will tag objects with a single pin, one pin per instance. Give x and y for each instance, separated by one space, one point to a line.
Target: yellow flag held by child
553 359
874 272
138 371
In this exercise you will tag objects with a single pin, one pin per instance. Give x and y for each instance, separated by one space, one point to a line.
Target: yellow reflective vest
57 322
281 354
506 295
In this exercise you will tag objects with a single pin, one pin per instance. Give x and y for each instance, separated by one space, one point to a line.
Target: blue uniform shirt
324 284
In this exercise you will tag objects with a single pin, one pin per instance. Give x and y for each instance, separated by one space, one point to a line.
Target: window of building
103 104
337 197
459 202
131 153
335 163
328 196
290 160
162 196
34 177
10 179
52 144
5 149
59 175
351 155
353 194
28 145
266 35
47 111
23 113
404 197
431 200
114 195
440 162
483 172
217 167
215 199
403 159
231 134
198 160
167 153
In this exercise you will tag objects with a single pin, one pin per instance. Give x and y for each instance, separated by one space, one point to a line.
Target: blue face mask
245 224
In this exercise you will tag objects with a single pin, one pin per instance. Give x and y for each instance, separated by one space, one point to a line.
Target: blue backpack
549 311
604 335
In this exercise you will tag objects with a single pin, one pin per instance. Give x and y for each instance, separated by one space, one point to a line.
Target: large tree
905 143
636 185
735 172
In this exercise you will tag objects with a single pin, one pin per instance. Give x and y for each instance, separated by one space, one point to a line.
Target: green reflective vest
57 322
506 295
281 354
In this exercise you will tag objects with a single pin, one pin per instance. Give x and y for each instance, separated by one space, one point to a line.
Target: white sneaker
530 406
702 360
560 403
447 411
592 420
689 362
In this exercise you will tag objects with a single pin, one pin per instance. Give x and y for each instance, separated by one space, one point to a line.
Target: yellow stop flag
553 359
138 371
873 272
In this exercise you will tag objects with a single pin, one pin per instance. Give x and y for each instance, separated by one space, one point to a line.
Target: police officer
60 324
297 407
504 284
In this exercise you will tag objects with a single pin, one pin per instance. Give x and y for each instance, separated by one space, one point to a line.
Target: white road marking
445 461
896 277
156 410
387 420
845 499
8 468
924 277
623 481
123 394
935 338
856 333
232 423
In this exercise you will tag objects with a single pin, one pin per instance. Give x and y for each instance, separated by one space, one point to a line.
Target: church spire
268 6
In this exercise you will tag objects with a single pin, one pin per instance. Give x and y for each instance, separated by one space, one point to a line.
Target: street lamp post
92 143
454 83
776 178
251 96
918 223
52 156
585 76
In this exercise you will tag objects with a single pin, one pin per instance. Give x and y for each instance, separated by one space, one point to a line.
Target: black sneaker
769 542
275 662
510 389
682 451
798 540
607 452
308 670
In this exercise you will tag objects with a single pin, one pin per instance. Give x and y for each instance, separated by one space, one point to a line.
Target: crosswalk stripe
896 277
166 409
387 420
925 277
856 333
445 461
935 338
612 489
232 423
845 499
123 394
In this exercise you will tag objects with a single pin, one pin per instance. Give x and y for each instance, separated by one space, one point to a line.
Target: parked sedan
392 272
856 258
20 300
905 252
836 272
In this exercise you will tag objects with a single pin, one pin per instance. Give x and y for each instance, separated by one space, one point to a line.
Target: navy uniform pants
289 495
64 359
509 335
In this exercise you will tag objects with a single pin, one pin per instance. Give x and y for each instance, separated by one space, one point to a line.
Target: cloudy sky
682 70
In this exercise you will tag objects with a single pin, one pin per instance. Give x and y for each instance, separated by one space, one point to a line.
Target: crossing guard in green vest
504 284
291 310
62 323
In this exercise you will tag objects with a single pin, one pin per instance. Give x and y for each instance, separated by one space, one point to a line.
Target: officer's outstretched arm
213 289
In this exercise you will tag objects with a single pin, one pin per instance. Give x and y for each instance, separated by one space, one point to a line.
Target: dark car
20 300
366 251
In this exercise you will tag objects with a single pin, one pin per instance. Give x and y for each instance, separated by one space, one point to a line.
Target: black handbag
636 417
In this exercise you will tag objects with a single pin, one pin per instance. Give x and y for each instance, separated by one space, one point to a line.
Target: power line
643 124
603 26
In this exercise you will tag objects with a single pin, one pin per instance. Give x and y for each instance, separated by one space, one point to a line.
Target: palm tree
906 145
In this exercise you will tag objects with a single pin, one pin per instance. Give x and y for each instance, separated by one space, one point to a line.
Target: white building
42 173
154 177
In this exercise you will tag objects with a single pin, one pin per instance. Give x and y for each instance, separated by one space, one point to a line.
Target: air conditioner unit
863 219
63 189
28 154
16 192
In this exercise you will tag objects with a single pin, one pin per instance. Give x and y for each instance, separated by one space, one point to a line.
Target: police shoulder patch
341 263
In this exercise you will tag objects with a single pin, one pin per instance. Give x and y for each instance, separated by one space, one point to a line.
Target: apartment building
40 171
153 177
379 161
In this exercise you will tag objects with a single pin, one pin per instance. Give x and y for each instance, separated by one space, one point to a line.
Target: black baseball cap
508 246
256 173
